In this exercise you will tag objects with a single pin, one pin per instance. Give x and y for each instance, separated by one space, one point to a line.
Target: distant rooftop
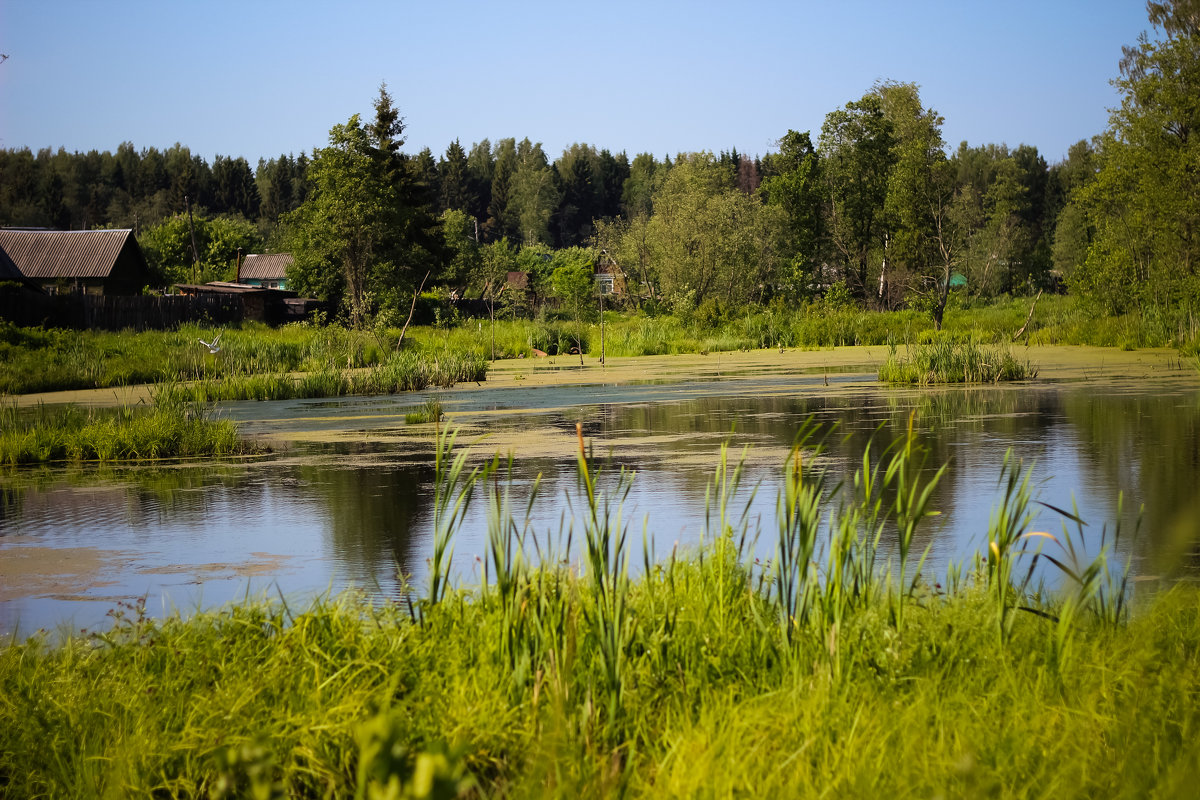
266 266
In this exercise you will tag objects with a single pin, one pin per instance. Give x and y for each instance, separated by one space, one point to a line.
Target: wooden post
192 229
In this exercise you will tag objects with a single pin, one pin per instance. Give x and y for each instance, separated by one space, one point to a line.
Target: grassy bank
253 361
825 672
405 372
1056 320
36 360
72 434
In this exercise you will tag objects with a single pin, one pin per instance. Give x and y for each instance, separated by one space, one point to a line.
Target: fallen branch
416 294
1017 335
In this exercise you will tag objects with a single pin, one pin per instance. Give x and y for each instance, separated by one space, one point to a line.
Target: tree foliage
796 188
168 248
364 235
856 146
1144 203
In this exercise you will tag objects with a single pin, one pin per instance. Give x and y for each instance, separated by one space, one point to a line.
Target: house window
604 283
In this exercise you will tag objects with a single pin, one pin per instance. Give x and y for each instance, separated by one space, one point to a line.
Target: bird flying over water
212 346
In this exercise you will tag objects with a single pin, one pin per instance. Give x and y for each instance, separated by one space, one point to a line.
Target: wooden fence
113 313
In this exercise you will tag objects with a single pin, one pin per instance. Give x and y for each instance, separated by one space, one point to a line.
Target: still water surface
347 503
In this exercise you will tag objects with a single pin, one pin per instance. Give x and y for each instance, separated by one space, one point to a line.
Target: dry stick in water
1028 319
416 294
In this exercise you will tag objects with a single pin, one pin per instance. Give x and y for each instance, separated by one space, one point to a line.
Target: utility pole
192 229
601 324
600 286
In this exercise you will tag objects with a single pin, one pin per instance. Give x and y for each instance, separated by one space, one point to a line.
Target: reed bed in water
70 433
827 671
947 361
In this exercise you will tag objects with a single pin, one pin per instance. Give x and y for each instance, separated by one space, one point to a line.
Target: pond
345 498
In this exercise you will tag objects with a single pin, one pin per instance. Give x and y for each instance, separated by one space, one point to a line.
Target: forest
875 208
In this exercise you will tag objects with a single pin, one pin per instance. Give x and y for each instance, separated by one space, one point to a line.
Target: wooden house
11 276
266 270
107 262
610 279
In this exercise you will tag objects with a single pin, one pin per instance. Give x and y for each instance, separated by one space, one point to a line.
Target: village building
610 279
265 270
273 306
105 262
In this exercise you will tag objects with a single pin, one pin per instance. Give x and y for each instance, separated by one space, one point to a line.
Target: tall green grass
70 433
1057 320
404 372
703 676
253 356
36 360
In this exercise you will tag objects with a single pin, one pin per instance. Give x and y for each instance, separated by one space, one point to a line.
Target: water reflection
354 513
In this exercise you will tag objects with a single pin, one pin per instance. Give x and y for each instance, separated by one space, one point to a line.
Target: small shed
262 305
267 270
107 262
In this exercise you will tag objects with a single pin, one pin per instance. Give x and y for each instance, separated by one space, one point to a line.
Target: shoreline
1054 362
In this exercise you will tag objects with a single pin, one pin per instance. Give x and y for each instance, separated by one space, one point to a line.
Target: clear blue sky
262 78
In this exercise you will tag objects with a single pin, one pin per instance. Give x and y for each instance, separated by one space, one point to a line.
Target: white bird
212 346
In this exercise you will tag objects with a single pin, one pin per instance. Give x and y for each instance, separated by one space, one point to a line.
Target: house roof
64 254
225 287
8 270
265 266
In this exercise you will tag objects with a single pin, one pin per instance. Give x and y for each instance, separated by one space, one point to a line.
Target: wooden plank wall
113 313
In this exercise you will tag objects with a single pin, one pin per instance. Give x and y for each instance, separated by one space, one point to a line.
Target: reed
947 361
607 560
430 411
453 488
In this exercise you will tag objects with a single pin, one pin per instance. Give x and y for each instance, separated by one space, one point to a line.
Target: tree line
873 206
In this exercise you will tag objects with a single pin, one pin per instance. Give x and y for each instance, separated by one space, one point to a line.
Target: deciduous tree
857 157
1145 201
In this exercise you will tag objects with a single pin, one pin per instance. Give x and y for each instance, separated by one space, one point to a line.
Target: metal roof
265 266
8 270
225 287
64 254
220 287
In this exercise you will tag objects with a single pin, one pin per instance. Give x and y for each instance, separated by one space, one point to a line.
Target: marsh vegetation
704 672
257 362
